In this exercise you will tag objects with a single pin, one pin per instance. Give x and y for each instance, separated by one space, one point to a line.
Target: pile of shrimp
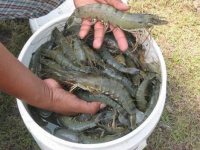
122 80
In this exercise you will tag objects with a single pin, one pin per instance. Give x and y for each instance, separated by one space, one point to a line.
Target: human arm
17 80
99 27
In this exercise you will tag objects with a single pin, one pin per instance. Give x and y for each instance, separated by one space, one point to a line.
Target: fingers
79 3
120 37
85 28
99 32
118 4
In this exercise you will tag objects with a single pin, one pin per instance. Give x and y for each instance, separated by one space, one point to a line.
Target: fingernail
102 106
125 2
96 44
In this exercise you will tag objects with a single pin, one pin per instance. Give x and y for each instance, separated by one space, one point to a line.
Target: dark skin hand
20 82
99 27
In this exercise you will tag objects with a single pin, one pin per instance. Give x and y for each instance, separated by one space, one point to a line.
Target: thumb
118 4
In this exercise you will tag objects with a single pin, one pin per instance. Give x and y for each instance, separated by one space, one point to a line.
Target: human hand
99 27
64 102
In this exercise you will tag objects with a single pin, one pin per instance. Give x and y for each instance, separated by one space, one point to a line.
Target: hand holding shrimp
99 27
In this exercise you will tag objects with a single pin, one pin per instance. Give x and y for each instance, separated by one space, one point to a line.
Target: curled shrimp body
109 59
108 14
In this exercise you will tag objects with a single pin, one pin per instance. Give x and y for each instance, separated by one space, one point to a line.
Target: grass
13 133
179 126
179 41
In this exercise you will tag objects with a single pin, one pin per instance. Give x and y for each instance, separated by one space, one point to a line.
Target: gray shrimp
108 58
111 130
76 126
135 78
97 84
62 60
89 97
115 74
153 100
93 56
36 56
121 59
106 86
79 50
71 31
140 95
66 135
88 140
108 14
65 46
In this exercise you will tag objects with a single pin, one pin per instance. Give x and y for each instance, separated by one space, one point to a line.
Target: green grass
13 133
179 41
179 125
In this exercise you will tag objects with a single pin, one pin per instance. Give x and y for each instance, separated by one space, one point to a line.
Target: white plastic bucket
134 140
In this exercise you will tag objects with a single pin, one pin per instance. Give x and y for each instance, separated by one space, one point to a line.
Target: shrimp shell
109 14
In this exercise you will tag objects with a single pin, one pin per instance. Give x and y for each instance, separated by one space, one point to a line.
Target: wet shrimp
109 15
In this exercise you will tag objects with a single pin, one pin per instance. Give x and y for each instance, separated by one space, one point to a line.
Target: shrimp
35 60
135 78
109 42
91 140
140 98
65 46
85 95
98 85
72 125
153 100
62 60
66 135
115 74
108 14
108 58
79 50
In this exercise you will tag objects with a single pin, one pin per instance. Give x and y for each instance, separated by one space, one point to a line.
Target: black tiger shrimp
94 77
62 60
109 15
109 59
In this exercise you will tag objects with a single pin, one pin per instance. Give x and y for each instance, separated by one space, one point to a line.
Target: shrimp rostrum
108 14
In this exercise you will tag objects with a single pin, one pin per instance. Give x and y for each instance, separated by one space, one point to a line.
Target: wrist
44 98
